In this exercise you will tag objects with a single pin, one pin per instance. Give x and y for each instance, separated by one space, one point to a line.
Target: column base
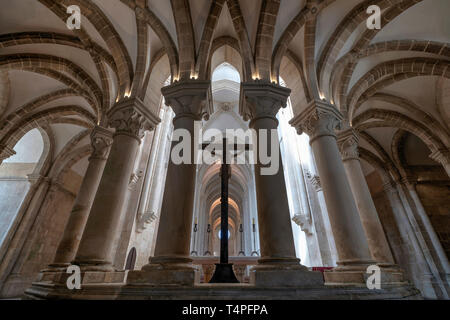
86 277
163 271
57 267
94 265
284 272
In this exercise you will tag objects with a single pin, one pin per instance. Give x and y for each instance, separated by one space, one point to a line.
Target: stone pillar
101 140
319 121
424 220
278 265
315 181
378 245
421 274
130 118
443 157
171 263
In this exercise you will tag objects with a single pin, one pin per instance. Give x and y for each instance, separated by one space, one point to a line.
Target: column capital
191 98
101 140
143 219
304 222
348 144
131 117
441 155
319 119
390 187
35 178
409 181
5 153
134 179
262 99
315 181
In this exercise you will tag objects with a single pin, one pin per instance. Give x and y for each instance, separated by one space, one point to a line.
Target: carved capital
35 178
101 140
409 181
5 153
262 99
348 145
318 120
389 187
131 117
189 98
134 179
303 222
315 181
144 219
441 156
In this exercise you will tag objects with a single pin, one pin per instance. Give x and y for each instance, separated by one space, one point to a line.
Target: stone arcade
90 119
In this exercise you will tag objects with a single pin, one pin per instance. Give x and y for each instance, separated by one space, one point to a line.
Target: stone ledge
219 292
180 277
359 277
284 277
87 277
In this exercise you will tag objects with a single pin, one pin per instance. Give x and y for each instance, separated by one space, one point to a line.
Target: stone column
315 181
130 118
319 121
443 157
425 222
378 245
171 262
278 265
422 274
101 140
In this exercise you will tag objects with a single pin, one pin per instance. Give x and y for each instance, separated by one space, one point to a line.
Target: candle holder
208 231
241 230
254 252
194 252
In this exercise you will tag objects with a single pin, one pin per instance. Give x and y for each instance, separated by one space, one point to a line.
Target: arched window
226 72
14 180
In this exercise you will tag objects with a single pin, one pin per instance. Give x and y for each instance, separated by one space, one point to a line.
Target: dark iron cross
224 270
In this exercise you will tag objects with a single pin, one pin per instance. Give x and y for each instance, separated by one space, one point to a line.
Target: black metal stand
241 230
224 271
194 252
208 231
254 252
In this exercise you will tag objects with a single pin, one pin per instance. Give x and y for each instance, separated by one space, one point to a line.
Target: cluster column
101 140
260 103
171 263
378 245
319 121
130 118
